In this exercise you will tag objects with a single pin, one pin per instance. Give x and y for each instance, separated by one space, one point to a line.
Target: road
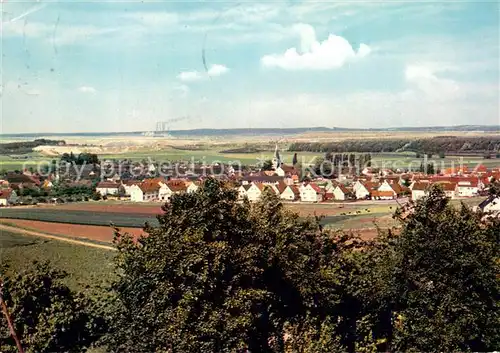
53 237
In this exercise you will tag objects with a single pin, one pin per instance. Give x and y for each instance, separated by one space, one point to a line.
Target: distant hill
269 131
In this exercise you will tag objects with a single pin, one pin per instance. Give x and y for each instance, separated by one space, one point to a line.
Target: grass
85 266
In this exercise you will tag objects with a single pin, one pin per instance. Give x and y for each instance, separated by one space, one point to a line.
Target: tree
444 279
223 276
47 315
441 154
294 160
267 165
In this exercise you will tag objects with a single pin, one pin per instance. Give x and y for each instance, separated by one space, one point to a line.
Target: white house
491 204
242 191
288 192
192 187
363 190
169 189
144 192
340 192
310 193
419 190
279 171
467 189
128 185
107 188
254 191
7 197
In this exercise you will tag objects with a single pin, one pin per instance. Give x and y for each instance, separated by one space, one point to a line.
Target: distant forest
439 144
24 147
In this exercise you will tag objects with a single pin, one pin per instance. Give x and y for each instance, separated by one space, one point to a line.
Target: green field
84 265
211 154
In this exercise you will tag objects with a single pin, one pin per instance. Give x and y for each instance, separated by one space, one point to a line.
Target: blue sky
122 66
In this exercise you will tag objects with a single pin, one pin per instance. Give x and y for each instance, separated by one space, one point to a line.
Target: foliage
47 315
26 146
445 144
221 276
444 278
82 158
267 165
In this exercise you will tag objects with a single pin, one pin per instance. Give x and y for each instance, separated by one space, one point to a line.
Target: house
419 189
280 172
449 189
392 186
363 190
171 188
7 197
491 204
127 185
310 193
144 192
288 192
480 169
254 192
467 188
242 191
341 192
107 188
26 180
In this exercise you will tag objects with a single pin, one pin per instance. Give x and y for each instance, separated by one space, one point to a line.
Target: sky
112 66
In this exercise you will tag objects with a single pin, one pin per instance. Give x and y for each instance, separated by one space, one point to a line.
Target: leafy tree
267 165
494 188
47 315
444 268
294 160
323 167
221 276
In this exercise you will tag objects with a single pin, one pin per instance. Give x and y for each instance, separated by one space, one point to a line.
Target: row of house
155 189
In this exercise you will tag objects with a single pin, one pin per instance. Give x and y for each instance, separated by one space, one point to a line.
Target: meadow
85 266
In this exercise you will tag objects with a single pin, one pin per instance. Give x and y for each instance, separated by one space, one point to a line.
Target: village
111 181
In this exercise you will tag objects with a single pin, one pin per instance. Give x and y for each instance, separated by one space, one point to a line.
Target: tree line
24 147
439 144
219 275
81 158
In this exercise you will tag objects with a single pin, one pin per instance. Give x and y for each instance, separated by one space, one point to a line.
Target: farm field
85 266
80 217
87 232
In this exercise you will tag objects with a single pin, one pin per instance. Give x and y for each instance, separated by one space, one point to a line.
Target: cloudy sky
123 65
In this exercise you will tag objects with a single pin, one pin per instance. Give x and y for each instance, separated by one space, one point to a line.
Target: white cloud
330 54
87 89
425 78
217 70
190 76
214 71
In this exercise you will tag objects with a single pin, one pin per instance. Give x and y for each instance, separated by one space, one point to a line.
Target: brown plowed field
103 207
97 233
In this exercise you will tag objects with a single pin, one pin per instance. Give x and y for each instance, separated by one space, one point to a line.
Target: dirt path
54 237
